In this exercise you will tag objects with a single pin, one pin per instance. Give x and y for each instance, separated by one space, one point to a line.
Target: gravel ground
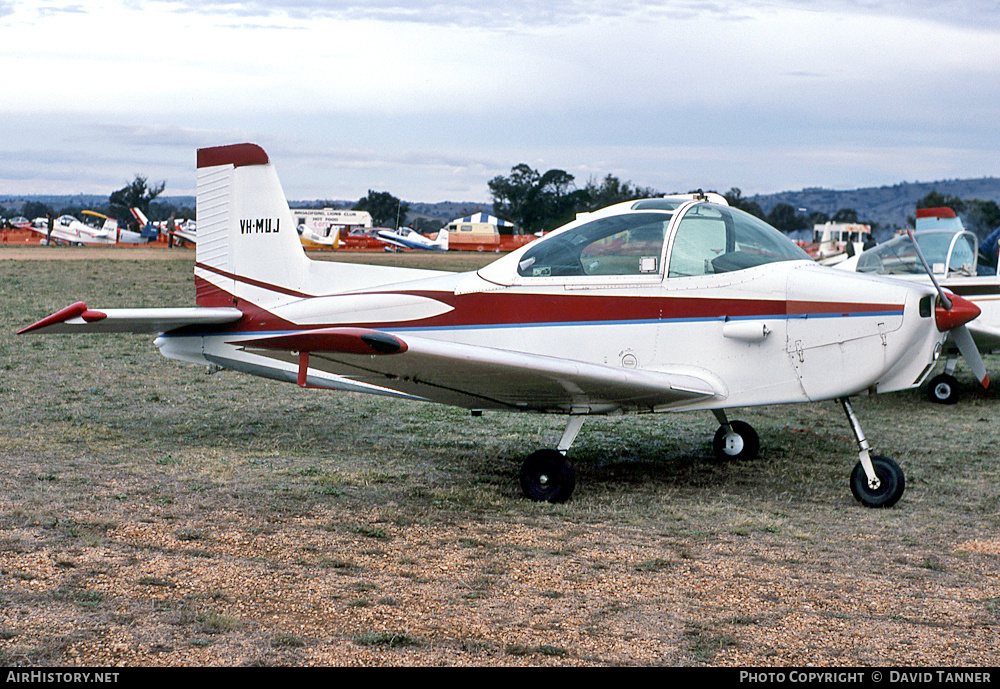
153 515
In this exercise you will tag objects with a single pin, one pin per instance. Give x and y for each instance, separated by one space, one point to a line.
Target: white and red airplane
666 304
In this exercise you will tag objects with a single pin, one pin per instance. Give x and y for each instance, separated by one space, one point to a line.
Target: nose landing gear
875 481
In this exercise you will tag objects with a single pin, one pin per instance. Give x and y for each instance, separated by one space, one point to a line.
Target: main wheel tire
546 476
943 389
891 483
742 443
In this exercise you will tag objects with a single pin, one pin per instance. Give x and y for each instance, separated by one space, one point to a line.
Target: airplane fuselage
786 332
73 231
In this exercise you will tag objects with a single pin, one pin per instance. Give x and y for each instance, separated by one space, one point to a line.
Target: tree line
537 201
787 217
979 217
534 201
139 193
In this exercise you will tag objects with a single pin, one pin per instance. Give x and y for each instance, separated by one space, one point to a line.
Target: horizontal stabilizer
77 318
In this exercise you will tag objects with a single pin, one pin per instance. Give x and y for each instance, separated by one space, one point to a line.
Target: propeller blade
966 345
945 301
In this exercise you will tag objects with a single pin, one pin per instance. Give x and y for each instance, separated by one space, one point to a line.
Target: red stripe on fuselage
207 294
802 308
486 309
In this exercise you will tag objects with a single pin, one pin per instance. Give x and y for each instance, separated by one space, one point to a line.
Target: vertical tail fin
247 247
441 241
139 216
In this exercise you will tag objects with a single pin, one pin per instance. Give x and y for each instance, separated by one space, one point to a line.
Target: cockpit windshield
629 244
710 238
717 239
898 257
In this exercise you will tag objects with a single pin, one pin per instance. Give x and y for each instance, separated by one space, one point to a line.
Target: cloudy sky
429 100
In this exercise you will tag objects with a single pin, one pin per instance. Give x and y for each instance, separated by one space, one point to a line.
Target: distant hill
59 201
54 201
447 211
890 206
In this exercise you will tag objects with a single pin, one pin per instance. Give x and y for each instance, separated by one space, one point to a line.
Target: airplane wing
478 377
395 240
78 318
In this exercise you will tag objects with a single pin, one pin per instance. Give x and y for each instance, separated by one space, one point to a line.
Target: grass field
152 514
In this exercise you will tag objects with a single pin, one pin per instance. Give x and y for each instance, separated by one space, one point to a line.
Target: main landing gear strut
734 439
546 475
876 481
943 388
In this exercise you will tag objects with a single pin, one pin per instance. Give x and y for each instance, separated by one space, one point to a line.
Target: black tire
546 476
943 389
892 483
745 444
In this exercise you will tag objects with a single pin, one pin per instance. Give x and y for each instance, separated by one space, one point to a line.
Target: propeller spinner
951 314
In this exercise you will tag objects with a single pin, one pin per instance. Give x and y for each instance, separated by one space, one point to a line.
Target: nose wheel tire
943 389
887 488
741 442
546 476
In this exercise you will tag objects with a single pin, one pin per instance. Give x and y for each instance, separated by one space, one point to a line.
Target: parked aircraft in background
836 242
323 239
185 232
122 236
408 238
951 254
182 232
664 304
69 230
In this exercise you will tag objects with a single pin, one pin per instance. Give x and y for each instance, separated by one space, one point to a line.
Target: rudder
247 244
